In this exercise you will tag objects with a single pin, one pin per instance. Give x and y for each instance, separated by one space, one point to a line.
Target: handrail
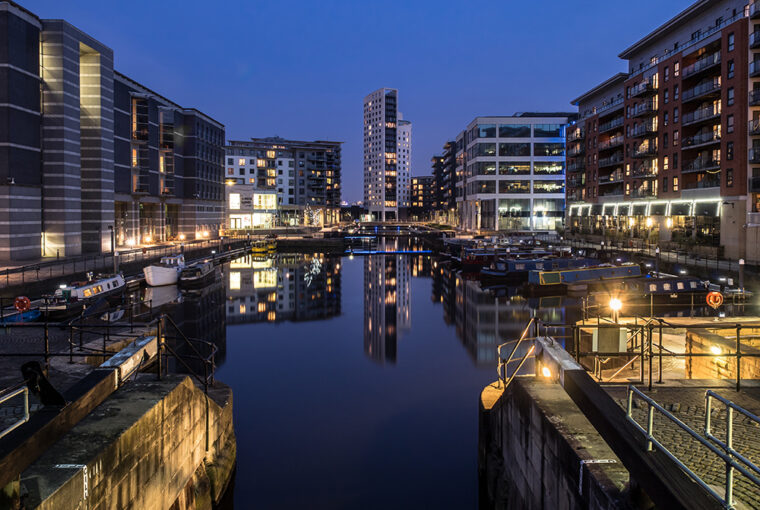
502 364
731 464
9 395
208 360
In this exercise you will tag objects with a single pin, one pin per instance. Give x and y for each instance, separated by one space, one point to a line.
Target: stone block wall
151 445
722 366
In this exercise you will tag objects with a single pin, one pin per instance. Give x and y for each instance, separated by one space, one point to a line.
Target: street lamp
615 306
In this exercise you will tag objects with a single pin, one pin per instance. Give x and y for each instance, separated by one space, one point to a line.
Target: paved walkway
687 403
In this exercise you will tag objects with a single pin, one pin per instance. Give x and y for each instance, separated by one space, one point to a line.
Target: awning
596 210
707 209
658 209
608 209
623 209
639 210
680 208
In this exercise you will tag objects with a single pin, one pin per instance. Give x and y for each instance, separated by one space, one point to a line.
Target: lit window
241 162
234 200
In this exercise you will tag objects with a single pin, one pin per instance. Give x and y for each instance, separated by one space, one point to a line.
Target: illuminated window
270 154
241 161
242 309
260 163
235 280
262 307
134 157
234 200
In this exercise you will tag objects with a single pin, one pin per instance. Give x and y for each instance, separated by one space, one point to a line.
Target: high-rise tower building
387 153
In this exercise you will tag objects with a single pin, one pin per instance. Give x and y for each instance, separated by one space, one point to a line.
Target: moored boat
69 299
557 282
166 272
196 274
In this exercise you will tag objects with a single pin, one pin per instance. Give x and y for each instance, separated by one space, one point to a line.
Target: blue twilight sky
300 69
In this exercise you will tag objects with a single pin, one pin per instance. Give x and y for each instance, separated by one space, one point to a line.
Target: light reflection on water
356 379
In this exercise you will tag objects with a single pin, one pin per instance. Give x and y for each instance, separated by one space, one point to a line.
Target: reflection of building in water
484 321
291 287
200 314
387 307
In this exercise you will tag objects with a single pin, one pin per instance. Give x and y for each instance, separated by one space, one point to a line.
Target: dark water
356 379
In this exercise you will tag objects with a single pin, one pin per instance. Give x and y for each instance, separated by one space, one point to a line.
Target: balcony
615 141
710 88
645 150
754 10
703 64
575 135
643 193
575 181
613 178
754 97
644 171
644 88
576 150
754 68
645 129
754 184
615 159
754 155
754 40
578 166
644 109
754 128
712 181
700 115
701 140
701 165
614 123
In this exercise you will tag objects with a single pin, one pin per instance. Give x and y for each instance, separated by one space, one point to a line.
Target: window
548 130
485 149
675 115
676 68
730 68
665 184
730 124
665 141
665 96
230 161
241 162
514 149
667 73
675 160
552 168
665 119
730 97
486 131
549 149
230 171
514 168
675 92
731 41
730 178
514 186
514 131
675 183
695 35
729 151
234 200
675 137
548 186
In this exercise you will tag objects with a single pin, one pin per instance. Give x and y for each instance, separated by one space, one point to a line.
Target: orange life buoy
714 299
22 303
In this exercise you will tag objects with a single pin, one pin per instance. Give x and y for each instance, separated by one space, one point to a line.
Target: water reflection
387 307
292 287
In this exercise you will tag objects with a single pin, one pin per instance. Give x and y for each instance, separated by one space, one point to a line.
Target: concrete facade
68 134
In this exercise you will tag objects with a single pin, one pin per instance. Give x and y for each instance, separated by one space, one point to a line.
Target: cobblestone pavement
687 403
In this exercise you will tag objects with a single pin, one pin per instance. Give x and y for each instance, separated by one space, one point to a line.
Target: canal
356 379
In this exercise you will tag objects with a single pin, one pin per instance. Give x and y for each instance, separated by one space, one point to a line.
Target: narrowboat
14 316
69 299
166 272
516 271
668 290
557 282
196 274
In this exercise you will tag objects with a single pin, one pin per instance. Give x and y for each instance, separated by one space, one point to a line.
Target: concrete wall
722 366
151 445
531 444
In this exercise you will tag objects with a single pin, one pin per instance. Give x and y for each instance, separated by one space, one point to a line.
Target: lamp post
741 276
615 306
657 261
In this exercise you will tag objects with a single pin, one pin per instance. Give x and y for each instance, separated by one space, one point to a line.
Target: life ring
22 303
714 299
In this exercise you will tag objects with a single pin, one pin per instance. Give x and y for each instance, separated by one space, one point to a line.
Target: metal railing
727 499
501 369
701 64
8 395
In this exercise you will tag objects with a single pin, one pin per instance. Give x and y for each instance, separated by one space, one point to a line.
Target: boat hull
157 276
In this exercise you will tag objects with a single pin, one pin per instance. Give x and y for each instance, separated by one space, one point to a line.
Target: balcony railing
754 155
575 135
754 127
701 64
575 181
612 160
614 123
578 166
613 178
700 115
754 40
576 150
645 108
754 68
611 142
645 150
644 171
754 184
710 182
701 165
754 97
642 88
643 193
701 139
701 90
754 10
645 129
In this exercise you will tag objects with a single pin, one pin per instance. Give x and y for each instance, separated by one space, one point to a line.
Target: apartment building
669 151
387 156
306 176
422 198
513 173
445 183
90 159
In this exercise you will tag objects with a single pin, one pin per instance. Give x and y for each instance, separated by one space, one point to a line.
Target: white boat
70 299
166 272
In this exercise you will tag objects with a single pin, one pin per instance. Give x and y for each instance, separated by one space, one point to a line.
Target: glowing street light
615 305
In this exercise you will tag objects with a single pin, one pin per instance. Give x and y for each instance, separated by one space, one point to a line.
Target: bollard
741 276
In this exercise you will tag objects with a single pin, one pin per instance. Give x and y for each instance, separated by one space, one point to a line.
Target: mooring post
738 357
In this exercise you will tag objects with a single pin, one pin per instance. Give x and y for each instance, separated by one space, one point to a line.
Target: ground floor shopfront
709 227
531 214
